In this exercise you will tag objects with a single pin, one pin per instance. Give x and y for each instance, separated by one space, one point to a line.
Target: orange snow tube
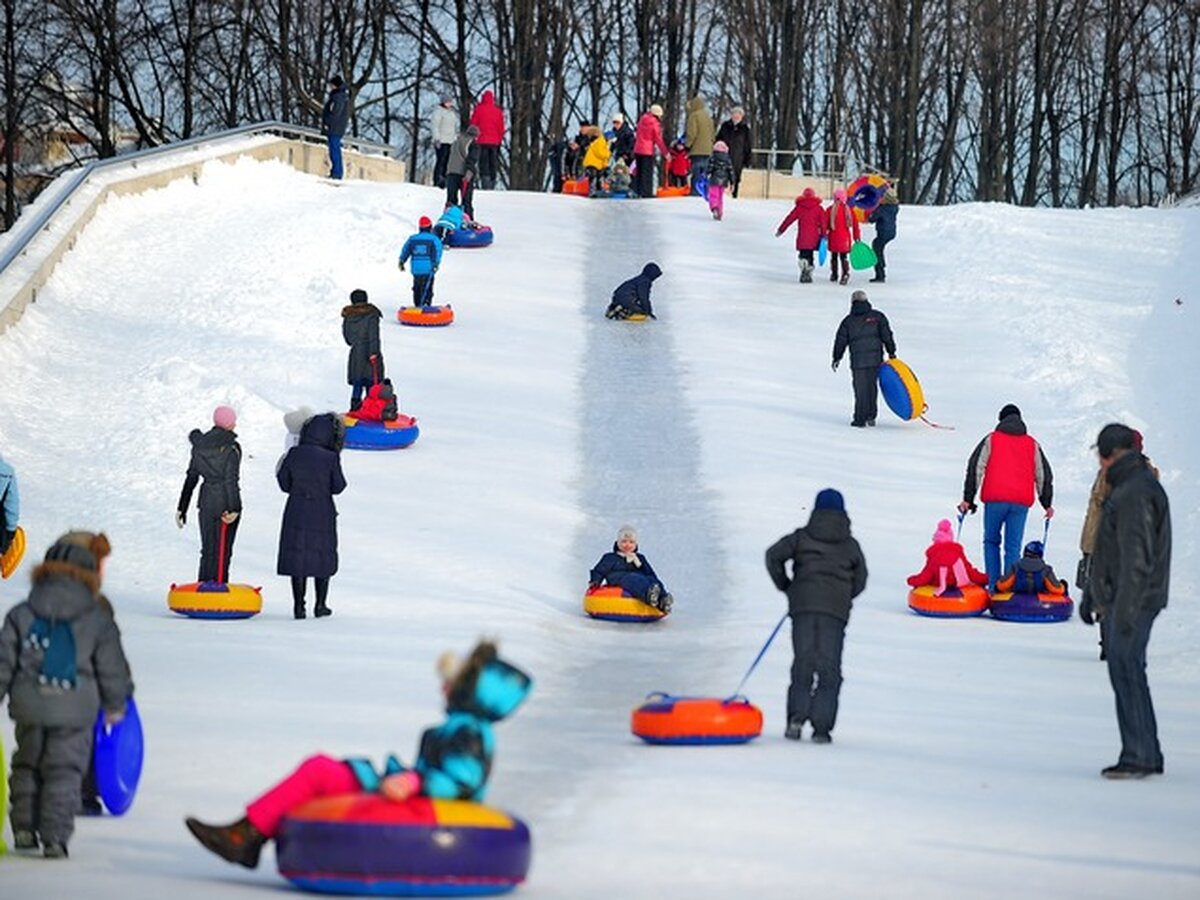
664 719
955 603
668 191
425 315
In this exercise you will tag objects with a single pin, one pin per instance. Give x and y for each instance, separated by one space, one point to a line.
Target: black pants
210 546
880 263
817 640
457 184
441 156
298 588
489 165
737 179
834 259
866 394
47 772
643 182
1126 658
806 255
422 290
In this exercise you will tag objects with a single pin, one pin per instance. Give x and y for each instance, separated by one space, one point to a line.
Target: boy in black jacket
632 297
828 572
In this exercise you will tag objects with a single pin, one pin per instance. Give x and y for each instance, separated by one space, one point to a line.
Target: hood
860 307
62 591
1012 424
651 271
488 686
808 202
488 99
294 420
212 439
321 431
829 526
1030 564
360 309
695 104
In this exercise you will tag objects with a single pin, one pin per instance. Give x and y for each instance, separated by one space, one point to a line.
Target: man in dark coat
462 170
1126 590
632 297
360 329
867 334
735 132
311 474
884 219
828 572
217 458
334 119
624 138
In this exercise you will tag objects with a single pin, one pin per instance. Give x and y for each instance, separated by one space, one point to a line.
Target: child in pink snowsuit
720 175
946 563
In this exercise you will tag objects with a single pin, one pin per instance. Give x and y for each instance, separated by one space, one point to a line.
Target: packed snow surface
966 758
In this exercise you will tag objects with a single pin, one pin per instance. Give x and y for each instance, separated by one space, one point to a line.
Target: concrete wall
20 288
775 185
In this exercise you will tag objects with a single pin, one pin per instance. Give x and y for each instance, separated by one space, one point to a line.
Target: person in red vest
489 119
1009 470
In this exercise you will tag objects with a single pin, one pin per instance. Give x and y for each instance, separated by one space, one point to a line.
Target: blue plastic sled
700 185
118 755
822 251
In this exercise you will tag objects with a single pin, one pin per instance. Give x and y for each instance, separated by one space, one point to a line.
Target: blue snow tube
394 435
901 390
471 237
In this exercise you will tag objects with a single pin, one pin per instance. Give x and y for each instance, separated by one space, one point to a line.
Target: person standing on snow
841 228
867 333
334 119
217 459
425 250
360 329
443 128
462 170
649 138
1006 468
810 228
624 138
699 134
884 219
489 119
735 132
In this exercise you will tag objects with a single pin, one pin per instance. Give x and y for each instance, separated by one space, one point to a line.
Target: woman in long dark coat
311 474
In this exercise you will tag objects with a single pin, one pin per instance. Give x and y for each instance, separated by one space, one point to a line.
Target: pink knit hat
224 417
839 194
944 533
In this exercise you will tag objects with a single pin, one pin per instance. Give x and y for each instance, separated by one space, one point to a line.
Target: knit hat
358 295
448 666
1114 437
424 222
656 110
618 118
737 111
839 194
447 99
627 532
721 147
944 533
1009 409
225 417
76 554
1034 549
830 499
858 295
336 80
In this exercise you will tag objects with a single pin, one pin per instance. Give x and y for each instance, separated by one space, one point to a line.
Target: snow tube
425 315
664 719
13 555
864 194
862 256
1031 607
668 191
956 603
578 186
473 237
394 435
215 600
119 750
901 390
612 604
366 844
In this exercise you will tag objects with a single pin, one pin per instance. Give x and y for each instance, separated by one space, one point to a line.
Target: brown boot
239 842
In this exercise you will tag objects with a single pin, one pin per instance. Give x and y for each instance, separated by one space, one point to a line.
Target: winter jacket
598 154
867 333
217 458
828 569
310 475
489 119
1091 520
649 136
379 404
1008 465
634 295
1131 565
740 142
464 156
1030 575
443 126
336 114
623 140
842 227
360 329
720 169
63 593
679 164
613 566
425 250
884 219
450 220
621 181
811 222
945 555
698 129
10 499
454 759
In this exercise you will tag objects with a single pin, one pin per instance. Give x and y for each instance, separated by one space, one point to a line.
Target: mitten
400 787
1086 610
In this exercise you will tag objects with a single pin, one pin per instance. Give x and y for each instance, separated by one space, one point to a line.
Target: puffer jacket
464 156
217 458
489 119
335 117
698 130
810 222
1008 466
613 565
63 593
634 295
598 154
867 332
360 329
649 136
842 227
828 569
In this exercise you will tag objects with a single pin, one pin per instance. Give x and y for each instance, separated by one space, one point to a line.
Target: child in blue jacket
425 251
453 761
629 570
450 221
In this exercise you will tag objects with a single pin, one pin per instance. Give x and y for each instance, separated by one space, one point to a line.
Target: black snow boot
239 842
321 610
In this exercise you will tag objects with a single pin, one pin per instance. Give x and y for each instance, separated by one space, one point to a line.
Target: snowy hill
967 753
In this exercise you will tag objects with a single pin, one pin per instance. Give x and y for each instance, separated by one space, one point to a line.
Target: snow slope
966 755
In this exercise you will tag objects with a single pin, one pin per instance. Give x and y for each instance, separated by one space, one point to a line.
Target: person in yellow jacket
596 160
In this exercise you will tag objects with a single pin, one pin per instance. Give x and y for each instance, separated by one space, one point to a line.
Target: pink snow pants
317 776
716 199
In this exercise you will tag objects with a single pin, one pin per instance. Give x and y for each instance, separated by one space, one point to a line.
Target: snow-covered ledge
47 229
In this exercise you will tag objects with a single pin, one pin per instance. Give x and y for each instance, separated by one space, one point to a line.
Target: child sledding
631 299
1031 592
626 568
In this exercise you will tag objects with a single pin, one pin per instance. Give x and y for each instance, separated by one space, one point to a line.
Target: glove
1086 611
891 356
967 507
401 267
778 233
229 517
592 585
1082 570
401 786
836 363
1049 512
114 718
180 518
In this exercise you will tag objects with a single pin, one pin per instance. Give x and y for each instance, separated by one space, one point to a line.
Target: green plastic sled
862 256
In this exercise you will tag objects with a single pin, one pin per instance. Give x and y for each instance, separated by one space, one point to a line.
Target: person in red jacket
679 166
1007 468
489 119
649 137
811 225
379 405
946 563
842 228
